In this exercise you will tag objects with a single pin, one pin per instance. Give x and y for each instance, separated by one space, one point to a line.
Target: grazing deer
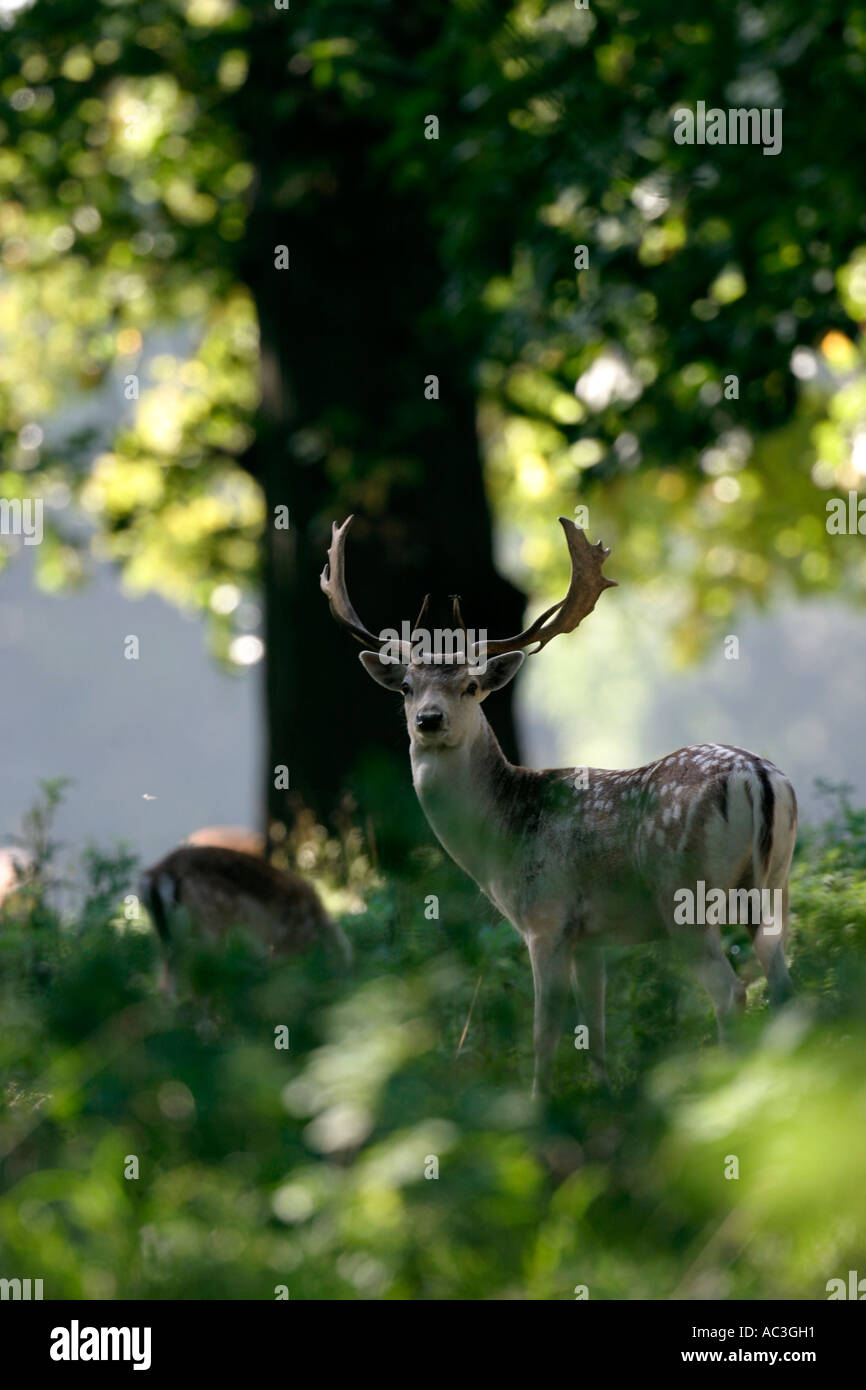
578 858
218 889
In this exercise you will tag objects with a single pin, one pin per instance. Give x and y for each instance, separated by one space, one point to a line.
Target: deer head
444 682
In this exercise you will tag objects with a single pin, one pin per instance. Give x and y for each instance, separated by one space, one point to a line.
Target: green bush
310 1168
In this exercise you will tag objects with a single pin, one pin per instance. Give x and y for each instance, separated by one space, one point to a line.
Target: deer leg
550 959
769 946
720 980
709 964
588 980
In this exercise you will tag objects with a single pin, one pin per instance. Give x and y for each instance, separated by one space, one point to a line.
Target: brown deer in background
579 858
217 889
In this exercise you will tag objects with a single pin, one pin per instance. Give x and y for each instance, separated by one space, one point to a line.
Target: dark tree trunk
348 335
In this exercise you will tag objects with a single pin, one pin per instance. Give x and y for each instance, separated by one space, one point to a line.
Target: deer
217 888
580 859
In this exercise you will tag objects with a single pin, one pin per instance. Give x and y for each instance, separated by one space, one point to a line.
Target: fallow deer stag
577 859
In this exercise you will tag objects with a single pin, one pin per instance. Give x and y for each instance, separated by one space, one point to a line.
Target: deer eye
405 687
472 688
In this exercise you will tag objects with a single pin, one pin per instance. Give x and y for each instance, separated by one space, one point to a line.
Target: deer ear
387 672
500 670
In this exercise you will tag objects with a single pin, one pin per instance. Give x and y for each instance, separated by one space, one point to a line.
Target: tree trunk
349 332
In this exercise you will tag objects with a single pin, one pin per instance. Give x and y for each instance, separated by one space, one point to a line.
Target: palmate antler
587 583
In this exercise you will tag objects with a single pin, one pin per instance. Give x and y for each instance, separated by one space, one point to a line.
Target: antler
333 583
587 583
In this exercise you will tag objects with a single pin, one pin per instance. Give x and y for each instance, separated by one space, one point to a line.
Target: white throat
453 787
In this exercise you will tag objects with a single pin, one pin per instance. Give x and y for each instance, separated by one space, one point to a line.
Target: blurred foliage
122 194
125 184
305 1168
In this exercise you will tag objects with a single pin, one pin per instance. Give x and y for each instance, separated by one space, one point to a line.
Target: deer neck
465 793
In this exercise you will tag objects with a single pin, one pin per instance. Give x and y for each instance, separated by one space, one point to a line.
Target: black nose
428 720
